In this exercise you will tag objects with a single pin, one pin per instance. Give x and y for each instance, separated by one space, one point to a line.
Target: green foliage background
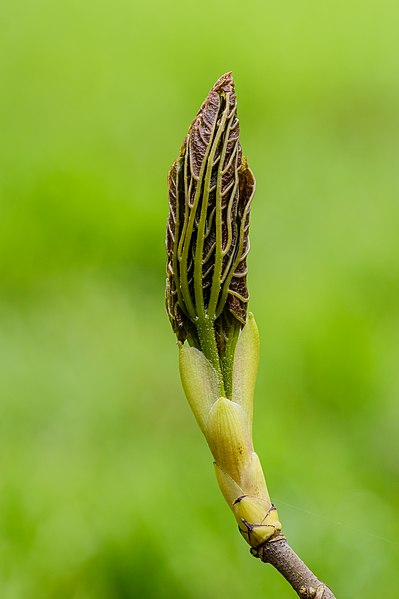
106 485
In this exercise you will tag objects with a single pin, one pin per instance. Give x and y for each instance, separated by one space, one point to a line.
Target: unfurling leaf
210 193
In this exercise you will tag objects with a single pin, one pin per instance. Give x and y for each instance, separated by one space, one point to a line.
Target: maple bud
210 193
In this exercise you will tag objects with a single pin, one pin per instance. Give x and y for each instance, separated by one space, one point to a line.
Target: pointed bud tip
225 83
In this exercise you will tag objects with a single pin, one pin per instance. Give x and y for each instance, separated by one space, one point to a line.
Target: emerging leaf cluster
210 193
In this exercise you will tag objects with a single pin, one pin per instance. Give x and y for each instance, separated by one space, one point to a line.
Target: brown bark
279 554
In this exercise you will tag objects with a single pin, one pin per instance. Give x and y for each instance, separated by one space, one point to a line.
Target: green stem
206 334
227 359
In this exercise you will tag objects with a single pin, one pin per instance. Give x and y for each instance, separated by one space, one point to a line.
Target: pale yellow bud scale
227 426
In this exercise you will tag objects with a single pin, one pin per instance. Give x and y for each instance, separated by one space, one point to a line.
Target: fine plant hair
211 188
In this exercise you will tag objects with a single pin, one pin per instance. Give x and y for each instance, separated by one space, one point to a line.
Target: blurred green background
106 485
